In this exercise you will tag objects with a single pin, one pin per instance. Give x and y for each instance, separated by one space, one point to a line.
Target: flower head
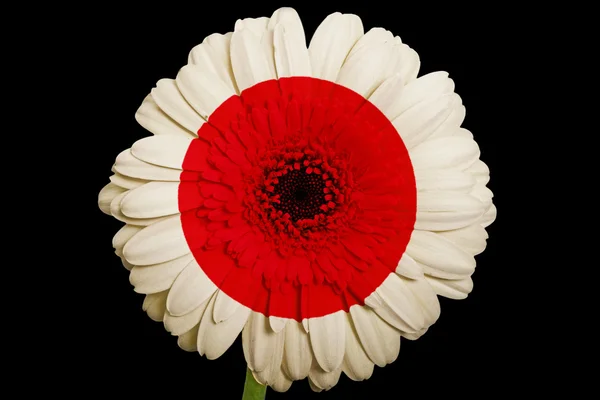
317 200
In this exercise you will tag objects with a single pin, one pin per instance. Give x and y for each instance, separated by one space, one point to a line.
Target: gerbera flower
315 199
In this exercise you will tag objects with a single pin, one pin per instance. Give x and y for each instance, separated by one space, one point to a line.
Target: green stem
252 389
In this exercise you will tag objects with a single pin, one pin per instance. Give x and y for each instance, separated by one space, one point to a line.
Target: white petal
126 182
165 151
454 120
224 307
123 236
183 323
323 380
429 86
107 195
417 123
439 256
373 37
452 289
414 335
480 171
396 304
158 277
471 239
277 380
188 340
190 289
289 43
215 338
367 65
169 99
202 89
426 296
429 180
273 373
483 194
154 199
451 152
409 63
277 324
327 335
444 211
408 268
258 342
160 242
250 63
356 364
489 217
115 210
331 43
213 55
386 97
258 26
128 266
153 119
126 164
380 340
155 305
297 355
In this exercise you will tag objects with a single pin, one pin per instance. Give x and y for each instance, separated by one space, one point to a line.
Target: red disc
298 198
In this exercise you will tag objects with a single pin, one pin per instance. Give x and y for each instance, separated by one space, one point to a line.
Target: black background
463 354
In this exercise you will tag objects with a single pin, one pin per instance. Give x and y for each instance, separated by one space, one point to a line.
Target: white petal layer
450 152
224 307
157 243
183 323
155 305
190 289
327 340
215 338
331 44
168 97
154 199
356 364
213 55
444 211
158 277
126 164
165 151
297 354
439 256
453 289
152 118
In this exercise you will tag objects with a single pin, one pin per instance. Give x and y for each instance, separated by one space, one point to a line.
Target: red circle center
298 198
